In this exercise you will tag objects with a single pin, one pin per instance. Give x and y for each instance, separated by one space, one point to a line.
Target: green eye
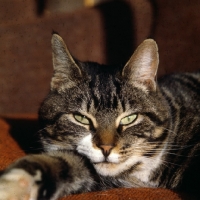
128 120
82 119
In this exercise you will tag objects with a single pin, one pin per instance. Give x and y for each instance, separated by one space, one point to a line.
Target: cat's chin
107 168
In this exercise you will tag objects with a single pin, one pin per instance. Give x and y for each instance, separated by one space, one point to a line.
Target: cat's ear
142 66
66 71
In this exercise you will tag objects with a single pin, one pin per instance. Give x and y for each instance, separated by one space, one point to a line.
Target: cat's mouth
105 161
102 162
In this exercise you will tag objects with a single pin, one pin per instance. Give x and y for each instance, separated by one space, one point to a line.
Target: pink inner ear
143 64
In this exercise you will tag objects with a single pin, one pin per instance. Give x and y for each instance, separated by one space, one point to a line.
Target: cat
105 127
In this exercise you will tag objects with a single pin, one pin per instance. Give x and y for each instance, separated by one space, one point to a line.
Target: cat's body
105 127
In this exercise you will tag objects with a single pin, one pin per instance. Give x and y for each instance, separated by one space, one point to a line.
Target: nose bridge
105 140
106 133
106 136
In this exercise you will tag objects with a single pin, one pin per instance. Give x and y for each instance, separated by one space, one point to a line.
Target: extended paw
17 184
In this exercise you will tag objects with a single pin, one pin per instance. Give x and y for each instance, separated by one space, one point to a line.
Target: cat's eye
128 120
82 119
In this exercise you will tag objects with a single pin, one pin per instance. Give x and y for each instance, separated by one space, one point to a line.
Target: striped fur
88 141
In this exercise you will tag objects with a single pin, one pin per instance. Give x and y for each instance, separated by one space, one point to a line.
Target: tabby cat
106 127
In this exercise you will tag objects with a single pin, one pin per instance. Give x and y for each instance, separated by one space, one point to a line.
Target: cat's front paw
17 184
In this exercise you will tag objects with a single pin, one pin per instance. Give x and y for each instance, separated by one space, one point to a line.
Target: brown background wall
107 33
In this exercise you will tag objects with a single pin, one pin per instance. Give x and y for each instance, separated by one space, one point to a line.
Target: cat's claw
17 184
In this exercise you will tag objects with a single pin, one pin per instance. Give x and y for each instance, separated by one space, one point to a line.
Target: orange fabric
9 149
127 194
16 126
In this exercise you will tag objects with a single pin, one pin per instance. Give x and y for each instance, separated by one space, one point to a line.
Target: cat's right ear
66 71
142 67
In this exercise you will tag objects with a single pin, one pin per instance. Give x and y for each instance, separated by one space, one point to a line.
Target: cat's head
114 116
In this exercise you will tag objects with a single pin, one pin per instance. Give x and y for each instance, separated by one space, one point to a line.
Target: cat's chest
143 178
146 171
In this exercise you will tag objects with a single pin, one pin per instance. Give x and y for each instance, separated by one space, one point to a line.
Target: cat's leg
42 177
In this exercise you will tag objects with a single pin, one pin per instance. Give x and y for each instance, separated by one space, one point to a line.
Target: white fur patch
18 184
149 165
86 148
143 174
114 166
114 169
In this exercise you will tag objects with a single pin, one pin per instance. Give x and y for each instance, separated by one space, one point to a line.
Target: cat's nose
106 149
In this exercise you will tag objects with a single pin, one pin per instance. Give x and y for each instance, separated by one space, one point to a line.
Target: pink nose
106 149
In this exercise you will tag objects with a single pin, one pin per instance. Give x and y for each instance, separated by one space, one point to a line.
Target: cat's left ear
66 71
142 66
